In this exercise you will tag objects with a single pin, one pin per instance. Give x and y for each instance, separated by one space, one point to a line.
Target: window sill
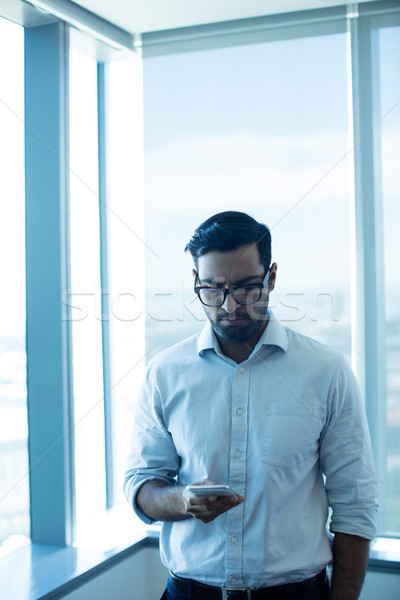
40 572
385 555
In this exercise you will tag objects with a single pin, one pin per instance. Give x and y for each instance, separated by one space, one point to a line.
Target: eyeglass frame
230 291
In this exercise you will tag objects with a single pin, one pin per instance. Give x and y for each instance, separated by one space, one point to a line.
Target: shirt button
234 539
241 370
239 411
238 454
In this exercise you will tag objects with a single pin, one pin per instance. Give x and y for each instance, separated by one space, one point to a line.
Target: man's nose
230 304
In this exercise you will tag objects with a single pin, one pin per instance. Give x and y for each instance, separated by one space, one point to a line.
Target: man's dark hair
228 231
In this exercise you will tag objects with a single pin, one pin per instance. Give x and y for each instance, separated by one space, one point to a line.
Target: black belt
276 592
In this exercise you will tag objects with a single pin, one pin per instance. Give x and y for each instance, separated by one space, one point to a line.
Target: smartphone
210 490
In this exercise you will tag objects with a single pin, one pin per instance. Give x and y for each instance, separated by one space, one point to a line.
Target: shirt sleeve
152 452
346 459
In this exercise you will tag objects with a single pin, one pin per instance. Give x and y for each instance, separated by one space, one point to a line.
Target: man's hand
162 501
208 508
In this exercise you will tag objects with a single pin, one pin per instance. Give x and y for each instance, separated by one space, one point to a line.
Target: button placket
237 474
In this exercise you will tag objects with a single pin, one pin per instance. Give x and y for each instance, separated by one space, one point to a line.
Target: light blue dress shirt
269 427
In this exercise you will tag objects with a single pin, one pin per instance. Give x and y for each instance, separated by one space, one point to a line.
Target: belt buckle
225 592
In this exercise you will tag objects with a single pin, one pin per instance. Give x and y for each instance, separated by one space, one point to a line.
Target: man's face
232 321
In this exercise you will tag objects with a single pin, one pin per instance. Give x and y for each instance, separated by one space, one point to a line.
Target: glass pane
85 290
14 477
127 252
261 128
390 140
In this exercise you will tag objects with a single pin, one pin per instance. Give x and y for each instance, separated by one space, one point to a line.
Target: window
389 47
14 479
85 290
261 128
127 253
265 128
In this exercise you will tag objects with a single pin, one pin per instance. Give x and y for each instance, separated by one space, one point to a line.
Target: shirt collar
273 335
207 340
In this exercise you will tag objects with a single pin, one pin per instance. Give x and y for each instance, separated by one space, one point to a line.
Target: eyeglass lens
243 295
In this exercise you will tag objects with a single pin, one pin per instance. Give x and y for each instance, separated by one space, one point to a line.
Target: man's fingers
207 510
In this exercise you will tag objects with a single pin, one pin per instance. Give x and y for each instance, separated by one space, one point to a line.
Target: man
254 405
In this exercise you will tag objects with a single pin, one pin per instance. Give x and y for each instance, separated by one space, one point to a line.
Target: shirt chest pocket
289 439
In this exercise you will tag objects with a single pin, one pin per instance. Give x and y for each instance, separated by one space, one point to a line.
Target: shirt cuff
360 521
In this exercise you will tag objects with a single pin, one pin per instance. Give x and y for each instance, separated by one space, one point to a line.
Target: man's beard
241 332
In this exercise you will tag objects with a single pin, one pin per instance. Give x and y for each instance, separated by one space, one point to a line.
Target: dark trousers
320 593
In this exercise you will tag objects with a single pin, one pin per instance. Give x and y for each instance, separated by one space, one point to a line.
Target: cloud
258 169
244 167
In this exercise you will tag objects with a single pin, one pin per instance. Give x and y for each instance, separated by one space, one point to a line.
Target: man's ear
272 276
194 272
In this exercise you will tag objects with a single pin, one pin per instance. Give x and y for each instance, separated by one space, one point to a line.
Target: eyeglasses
244 294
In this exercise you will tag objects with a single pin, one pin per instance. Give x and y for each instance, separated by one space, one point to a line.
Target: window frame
49 358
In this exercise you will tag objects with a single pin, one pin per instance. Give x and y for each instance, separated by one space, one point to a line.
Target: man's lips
233 320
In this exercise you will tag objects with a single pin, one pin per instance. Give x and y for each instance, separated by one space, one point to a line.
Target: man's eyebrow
237 282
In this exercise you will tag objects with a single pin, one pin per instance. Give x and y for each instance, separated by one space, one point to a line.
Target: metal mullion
49 360
79 17
106 304
369 338
281 26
